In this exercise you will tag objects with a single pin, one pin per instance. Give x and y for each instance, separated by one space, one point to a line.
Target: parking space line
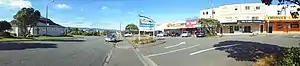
173 51
181 43
200 51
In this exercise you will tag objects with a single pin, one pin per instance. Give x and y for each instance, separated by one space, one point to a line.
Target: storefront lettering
281 18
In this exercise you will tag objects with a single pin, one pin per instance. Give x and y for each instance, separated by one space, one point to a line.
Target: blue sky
109 13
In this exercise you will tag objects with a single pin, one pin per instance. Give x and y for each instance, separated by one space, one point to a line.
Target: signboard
250 20
145 22
280 18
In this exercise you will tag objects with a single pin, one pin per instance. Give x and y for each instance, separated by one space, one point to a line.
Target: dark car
200 34
174 34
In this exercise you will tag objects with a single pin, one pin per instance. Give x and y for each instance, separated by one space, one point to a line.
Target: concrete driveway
223 51
90 52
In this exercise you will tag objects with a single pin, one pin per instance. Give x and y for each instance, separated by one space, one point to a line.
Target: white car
160 35
110 38
185 34
128 35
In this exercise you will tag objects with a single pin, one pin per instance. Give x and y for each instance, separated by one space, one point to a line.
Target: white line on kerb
175 45
211 49
173 51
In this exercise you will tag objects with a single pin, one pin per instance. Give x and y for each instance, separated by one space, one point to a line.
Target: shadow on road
249 51
23 46
116 41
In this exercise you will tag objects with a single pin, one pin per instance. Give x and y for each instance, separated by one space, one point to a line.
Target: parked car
160 35
174 34
128 35
200 34
110 37
185 34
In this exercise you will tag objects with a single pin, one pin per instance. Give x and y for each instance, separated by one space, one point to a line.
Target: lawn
42 38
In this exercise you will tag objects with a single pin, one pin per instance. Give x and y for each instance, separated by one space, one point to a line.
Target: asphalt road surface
90 52
224 51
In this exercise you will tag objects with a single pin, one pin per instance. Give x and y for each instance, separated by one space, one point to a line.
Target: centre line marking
211 49
173 51
175 45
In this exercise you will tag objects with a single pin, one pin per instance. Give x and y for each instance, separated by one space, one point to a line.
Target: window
247 8
206 13
203 13
213 12
279 26
257 7
278 12
254 18
236 28
294 25
236 9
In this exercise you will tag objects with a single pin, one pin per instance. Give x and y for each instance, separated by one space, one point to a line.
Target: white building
238 18
42 28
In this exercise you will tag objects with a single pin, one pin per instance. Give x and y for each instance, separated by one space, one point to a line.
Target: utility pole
47 6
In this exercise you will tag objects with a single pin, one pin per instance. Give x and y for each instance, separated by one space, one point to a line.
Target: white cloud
63 6
16 3
104 7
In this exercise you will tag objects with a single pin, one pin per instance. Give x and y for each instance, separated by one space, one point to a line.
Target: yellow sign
281 18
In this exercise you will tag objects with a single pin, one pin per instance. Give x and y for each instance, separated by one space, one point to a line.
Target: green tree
26 17
131 27
4 25
283 2
210 26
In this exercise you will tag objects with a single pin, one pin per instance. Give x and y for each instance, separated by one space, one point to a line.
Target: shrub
7 35
291 57
268 60
135 40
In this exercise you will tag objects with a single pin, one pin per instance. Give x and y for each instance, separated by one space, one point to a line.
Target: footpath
123 55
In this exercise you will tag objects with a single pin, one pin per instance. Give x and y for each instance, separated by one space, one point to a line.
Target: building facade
238 18
278 19
42 28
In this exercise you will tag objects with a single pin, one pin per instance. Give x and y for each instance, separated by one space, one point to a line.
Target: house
43 27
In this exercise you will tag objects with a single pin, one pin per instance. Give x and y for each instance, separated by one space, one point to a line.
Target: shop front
282 24
243 26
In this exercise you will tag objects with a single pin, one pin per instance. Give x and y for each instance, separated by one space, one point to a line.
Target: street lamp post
47 6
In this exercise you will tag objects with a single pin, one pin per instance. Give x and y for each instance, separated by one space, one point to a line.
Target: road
90 52
223 51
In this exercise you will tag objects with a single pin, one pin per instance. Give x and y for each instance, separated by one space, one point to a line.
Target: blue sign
146 25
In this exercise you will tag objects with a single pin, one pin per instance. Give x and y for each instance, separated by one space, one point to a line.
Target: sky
109 14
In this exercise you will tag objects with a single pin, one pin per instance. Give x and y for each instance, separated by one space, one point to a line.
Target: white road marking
175 45
211 49
173 51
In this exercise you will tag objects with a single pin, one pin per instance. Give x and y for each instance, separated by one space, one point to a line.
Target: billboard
146 22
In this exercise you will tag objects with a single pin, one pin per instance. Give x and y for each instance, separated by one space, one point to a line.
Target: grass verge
42 38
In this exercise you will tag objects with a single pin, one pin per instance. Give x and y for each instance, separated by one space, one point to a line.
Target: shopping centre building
254 18
243 18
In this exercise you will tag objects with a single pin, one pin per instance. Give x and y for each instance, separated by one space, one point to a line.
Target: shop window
247 8
257 7
236 28
294 25
254 18
279 26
